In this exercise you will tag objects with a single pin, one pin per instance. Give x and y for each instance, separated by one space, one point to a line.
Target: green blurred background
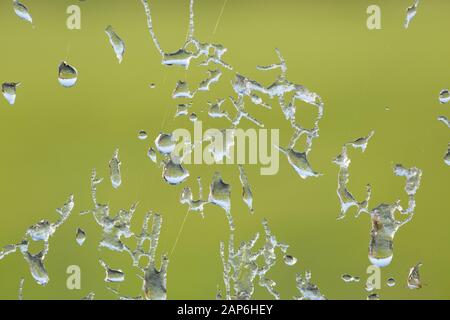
387 80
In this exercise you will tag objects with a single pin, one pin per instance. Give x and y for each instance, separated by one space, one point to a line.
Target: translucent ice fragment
90 296
308 290
390 282
22 11
414 280
300 163
290 260
215 110
411 13
173 171
116 42
220 193
182 91
361 143
114 170
444 120
444 96
247 195
182 109
152 154
9 91
67 75
112 275
187 198
214 76
80 236
165 143
142 135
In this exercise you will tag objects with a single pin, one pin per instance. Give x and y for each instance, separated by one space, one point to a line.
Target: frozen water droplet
308 290
247 195
67 75
361 143
152 85
22 11
112 275
182 110
80 236
114 170
214 76
220 193
290 260
411 13
347 278
182 91
165 143
187 198
373 296
116 42
300 163
444 96
173 171
390 282
193 117
142 135
9 91
414 280
152 154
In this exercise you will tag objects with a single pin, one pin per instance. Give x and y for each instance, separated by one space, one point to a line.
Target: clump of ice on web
116 229
247 265
40 232
385 223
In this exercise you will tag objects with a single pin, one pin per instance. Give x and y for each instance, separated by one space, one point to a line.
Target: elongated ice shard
112 275
308 290
411 13
414 279
214 77
80 236
114 170
116 42
444 120
22 280
67 75
246 265
22 11
9 91
300 163
247 195
447 156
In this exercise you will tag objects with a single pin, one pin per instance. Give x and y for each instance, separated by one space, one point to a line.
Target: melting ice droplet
114 170
414 281
9 91
116 42
67 75
444 96
22 11
80 236
411 13
111 274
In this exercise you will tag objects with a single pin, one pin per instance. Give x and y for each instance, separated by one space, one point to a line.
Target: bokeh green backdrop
387 80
